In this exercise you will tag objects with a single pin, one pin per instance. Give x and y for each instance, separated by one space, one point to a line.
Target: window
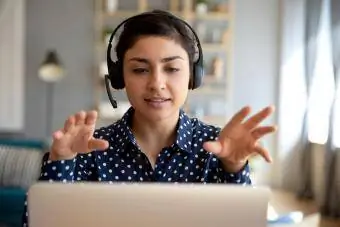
337 118
323 86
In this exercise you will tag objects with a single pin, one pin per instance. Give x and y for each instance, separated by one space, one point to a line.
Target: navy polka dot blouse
123 161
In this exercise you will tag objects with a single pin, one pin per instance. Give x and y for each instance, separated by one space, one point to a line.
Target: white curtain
310 66
292 96
12 62
331 203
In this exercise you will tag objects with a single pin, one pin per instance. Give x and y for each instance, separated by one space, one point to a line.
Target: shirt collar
183 133
124 124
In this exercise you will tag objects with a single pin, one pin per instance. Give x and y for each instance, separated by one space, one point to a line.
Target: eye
171 69
140 70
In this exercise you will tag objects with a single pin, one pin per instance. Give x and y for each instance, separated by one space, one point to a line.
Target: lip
157 103
158 99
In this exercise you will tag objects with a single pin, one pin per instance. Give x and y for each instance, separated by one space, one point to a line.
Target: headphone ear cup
116 76
198 74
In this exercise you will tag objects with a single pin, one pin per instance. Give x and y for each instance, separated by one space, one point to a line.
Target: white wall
12 57
68 28
256 71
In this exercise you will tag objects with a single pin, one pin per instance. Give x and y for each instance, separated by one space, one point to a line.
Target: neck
156 134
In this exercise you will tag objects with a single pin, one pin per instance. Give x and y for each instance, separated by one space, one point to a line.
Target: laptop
146 204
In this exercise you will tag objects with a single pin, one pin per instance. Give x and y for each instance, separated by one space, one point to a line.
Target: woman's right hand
76 137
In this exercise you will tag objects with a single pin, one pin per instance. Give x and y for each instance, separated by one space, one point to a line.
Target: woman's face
156 75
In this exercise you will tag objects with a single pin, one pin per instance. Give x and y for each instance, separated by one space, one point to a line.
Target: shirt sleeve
217 174
241 177
81 168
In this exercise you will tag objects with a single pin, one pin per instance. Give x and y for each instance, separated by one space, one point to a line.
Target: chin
158 114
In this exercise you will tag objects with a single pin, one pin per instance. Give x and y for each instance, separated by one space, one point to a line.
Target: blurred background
256 53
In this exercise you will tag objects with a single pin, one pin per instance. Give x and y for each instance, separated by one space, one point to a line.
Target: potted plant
201 6
106 34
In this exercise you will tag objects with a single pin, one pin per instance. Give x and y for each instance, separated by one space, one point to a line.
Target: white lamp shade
51 69
51 73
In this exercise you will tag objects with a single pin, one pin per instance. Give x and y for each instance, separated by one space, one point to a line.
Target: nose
157 80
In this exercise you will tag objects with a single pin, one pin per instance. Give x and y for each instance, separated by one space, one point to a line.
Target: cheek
131 82
133 88
179 85
182 80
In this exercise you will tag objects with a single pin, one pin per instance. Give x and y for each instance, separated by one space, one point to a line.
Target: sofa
20 162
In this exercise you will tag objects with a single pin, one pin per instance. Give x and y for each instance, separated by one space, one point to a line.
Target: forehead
156 47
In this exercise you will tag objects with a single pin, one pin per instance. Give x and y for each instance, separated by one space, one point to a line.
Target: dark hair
158 23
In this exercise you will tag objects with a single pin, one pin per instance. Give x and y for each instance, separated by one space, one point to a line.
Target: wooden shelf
121 13
219 121
214 47
207 16
216 120
187 15
211 47
211 79
209 91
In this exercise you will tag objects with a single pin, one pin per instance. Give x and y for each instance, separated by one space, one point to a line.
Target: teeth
156 100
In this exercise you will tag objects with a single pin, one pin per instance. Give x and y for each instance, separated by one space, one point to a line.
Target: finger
240 116
69 123
57 135
262 131
84 134
80 118
214 147
264 153
98 144
253 121
91 117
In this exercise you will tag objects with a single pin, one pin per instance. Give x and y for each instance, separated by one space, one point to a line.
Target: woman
155 140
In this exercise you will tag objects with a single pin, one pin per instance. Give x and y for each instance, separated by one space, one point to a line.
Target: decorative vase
111 6
217 67
201 8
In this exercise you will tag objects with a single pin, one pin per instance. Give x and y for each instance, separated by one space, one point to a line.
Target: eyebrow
144 60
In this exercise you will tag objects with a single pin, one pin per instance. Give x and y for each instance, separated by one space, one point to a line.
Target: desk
284 202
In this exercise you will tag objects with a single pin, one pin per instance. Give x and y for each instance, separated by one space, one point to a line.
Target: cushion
27 143
14 198
19 166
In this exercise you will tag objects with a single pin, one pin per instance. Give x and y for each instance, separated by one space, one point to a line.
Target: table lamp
50 71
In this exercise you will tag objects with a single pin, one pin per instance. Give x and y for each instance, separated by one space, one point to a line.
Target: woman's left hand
238 140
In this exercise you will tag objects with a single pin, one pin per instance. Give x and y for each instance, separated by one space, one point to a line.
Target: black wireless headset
115 76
